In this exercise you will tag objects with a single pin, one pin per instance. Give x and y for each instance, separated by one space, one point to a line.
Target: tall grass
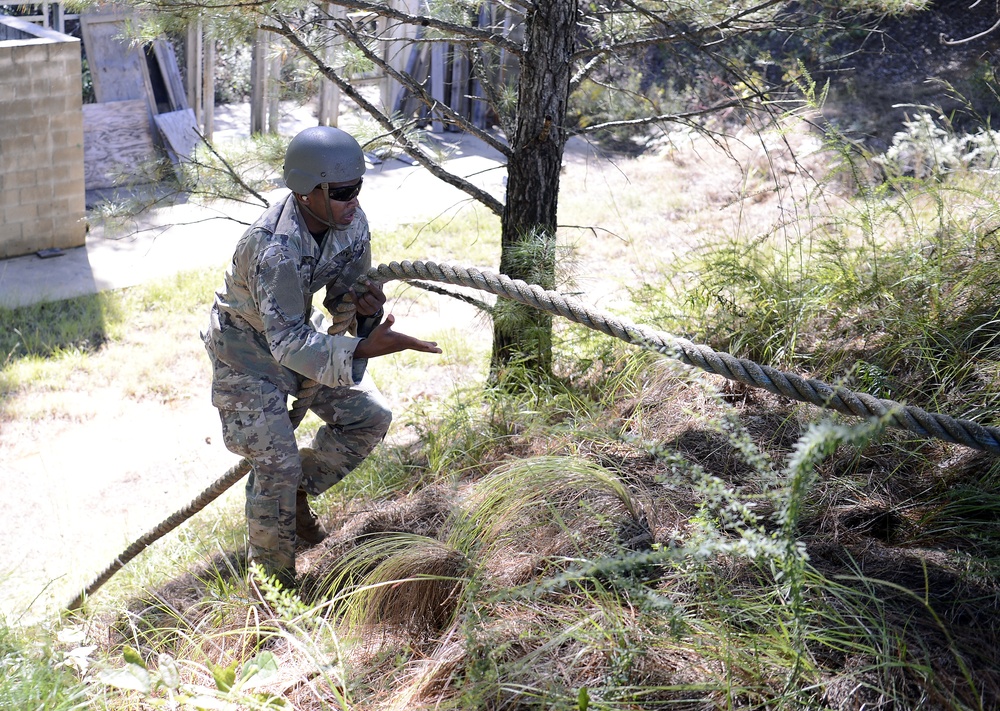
895 292
531 589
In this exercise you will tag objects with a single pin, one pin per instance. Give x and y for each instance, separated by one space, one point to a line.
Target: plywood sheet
116 141
179 130
118 70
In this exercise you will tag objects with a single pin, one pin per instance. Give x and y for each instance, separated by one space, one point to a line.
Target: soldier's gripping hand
383 341
371 300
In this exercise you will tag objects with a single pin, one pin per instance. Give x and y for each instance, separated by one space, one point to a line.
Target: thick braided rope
341 319
794 387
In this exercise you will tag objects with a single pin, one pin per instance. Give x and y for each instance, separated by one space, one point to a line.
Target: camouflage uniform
263 345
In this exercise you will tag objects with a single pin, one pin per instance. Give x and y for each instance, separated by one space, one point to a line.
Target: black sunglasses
346 193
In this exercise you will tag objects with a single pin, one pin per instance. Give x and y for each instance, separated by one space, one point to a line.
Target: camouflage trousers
256 425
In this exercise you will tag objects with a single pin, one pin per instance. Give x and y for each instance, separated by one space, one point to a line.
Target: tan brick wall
42 193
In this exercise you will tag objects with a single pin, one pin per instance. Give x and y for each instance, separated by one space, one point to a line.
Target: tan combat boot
308 528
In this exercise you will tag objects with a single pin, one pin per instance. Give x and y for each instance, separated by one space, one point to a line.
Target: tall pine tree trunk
522 334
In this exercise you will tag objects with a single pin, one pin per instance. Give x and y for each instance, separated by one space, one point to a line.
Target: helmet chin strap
308 210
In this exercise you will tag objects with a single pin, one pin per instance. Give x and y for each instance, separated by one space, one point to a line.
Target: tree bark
522 334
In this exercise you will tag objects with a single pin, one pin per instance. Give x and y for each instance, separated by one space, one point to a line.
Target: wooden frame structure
50 15
446 67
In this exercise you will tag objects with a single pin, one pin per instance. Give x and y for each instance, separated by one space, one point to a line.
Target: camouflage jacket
260 321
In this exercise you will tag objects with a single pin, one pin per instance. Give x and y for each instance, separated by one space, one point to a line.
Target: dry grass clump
404 581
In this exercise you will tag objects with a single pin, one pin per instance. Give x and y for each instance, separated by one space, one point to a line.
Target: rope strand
795 387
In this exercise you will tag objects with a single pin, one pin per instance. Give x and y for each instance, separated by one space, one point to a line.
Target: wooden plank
116 141
166 58
179 130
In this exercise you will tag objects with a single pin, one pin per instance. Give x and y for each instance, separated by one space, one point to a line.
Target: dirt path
76 493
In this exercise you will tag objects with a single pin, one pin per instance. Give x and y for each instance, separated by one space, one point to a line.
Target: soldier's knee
381 418
373 415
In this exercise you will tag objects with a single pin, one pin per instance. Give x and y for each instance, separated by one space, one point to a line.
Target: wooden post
407 54
258 82
193 69
437 83
460 83
59 17
208 89
328 110
329 103
274 92
502 64
478 109
385 49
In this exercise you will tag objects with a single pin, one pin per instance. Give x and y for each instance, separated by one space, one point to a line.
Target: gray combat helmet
322 154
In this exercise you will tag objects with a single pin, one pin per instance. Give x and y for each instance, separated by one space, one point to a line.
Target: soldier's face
339 212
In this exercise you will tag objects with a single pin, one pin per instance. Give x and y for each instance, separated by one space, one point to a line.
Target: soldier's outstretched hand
383 341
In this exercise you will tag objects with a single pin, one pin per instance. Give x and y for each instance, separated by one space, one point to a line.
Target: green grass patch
49 329
895 294
37 672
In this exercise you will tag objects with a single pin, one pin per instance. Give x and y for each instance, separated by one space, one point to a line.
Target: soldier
264 343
